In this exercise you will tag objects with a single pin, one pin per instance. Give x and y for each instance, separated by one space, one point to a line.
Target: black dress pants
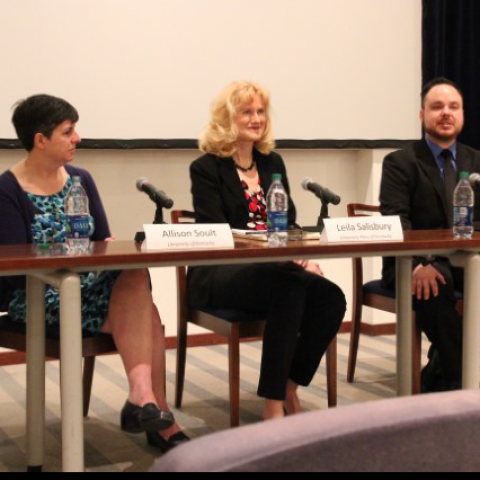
441 322
303 311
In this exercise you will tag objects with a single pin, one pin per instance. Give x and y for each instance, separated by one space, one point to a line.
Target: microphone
475 181
324 194
157 196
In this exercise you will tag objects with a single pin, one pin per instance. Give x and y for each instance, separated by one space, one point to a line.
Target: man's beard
442 138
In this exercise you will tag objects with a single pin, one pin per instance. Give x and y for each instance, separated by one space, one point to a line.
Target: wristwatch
428 261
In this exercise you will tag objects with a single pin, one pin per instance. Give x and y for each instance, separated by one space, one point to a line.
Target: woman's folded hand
310 266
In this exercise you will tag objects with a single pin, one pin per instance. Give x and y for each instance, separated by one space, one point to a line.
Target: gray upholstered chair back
424 433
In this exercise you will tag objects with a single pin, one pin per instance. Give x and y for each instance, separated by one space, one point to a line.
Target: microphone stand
324 214
140 236
159 216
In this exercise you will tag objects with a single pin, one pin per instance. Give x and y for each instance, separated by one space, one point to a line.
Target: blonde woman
229 184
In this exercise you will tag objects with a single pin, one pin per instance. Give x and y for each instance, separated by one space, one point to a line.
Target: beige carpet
205 407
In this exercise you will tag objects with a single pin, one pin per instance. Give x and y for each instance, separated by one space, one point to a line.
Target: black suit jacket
412 187
218 197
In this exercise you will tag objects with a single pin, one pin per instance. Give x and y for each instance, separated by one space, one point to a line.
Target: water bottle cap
277 177
77 180
464 176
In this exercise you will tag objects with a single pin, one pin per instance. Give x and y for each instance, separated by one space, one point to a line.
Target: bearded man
418 184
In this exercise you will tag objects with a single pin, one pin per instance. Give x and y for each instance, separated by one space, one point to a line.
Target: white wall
354 175
150 68
350 65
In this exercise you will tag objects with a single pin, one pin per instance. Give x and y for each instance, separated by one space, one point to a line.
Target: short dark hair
434 83
40 114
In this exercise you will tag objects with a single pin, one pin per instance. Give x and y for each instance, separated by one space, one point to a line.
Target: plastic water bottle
78 217
277 210
463 203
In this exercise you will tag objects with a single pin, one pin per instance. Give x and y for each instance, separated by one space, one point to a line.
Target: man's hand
425 282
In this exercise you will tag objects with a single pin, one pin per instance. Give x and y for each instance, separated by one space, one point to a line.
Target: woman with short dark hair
32 206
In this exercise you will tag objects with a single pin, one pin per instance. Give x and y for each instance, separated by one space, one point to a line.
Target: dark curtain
451 48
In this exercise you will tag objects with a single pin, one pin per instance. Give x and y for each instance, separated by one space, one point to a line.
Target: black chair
235 326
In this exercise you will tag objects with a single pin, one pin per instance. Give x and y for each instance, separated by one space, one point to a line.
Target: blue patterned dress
48 227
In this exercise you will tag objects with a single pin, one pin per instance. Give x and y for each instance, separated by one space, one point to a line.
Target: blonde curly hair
221 135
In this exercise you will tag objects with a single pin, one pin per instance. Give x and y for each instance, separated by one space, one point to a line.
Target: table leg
71 373
404 326
471 323
35 374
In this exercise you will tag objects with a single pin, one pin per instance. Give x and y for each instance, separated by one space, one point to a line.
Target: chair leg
416 358
234 375
181 364
354 341
332 373
88 368
164 365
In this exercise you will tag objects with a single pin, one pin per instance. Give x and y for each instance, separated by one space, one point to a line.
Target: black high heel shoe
156 440
148 418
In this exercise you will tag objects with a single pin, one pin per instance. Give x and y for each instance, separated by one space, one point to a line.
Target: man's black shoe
432 378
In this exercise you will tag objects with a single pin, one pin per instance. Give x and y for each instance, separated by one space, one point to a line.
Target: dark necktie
450 181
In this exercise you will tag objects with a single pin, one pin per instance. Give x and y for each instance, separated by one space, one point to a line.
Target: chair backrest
360 210
439 432
13 337
182 216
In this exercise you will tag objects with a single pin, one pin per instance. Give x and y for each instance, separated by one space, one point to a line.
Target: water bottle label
78 226
463 216
277 221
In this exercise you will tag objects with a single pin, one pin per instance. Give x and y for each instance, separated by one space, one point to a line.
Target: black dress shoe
156 440
432 378
149 418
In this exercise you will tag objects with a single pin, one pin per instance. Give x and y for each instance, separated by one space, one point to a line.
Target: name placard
188 237
362 229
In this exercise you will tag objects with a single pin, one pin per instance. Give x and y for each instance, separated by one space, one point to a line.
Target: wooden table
55 267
